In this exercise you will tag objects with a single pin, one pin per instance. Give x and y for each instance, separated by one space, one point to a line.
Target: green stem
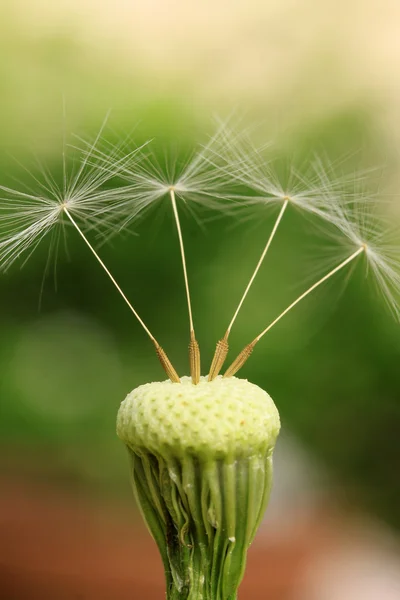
203 516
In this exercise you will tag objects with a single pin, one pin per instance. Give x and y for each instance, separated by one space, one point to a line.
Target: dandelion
201 446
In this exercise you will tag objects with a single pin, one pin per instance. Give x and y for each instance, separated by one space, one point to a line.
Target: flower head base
227 417
202 472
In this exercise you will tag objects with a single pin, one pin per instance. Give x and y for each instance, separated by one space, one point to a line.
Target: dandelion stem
311 289
194 351
151 336
245 353
165 362
182 249
268 244
222 348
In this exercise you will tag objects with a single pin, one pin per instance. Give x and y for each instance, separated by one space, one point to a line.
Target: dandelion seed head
199 181
27 216
312 189
364 227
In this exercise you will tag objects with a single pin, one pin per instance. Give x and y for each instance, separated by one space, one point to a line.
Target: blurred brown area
60 545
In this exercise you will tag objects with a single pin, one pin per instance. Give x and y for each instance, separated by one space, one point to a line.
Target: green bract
202 472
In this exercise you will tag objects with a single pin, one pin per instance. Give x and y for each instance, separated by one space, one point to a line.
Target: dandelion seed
198 182
26 218
359 226
314 193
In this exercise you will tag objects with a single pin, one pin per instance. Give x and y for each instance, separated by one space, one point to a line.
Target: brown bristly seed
241 359
166 363
220 355
194 359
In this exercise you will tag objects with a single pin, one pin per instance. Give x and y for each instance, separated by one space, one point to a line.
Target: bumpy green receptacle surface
201 459
223 417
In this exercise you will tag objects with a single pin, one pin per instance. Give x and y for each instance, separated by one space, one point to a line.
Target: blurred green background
332 367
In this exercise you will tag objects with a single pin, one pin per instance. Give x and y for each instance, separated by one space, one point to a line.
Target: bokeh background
316 78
